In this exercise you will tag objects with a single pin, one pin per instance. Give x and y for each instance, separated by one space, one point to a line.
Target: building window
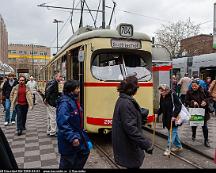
12 51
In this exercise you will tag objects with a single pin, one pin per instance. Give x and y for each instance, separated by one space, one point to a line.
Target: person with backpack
51 96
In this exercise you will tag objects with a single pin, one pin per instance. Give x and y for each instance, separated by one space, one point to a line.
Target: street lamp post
57 21
32 60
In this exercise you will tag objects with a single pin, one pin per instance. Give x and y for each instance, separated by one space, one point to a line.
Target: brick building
28 58
197 45
3 41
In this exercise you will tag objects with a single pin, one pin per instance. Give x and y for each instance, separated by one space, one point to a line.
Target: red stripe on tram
162 68
108 121
99 121
113 84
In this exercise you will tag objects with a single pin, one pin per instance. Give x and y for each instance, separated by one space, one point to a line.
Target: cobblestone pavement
34 149
185 133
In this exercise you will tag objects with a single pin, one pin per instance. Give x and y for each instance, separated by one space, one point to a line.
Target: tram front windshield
115 66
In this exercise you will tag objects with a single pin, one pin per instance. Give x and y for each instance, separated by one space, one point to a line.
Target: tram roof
100 33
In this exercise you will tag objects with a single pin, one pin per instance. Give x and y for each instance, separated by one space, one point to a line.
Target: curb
185 145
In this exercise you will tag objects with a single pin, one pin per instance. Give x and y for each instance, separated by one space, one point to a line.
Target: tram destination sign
127 44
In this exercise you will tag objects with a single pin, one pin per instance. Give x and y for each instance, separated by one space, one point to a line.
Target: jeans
7 112
175 138
75 161
22 111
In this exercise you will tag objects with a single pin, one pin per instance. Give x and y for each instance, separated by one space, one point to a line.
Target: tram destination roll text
128 44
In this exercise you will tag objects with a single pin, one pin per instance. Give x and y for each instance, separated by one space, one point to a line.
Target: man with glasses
51 96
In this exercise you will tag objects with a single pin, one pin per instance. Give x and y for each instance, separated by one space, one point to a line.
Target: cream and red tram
100 59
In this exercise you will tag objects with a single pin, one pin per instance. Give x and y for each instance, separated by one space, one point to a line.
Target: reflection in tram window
114 67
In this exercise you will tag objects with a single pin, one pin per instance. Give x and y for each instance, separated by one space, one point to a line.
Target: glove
150 150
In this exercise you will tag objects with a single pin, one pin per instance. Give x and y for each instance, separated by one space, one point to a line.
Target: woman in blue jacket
72 139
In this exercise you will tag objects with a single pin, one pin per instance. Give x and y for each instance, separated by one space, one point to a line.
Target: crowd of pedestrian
65 115
197 93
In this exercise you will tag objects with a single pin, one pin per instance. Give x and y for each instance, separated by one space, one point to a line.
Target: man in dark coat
6 90
127 136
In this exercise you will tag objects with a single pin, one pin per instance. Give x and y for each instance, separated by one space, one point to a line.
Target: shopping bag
183 117
197 116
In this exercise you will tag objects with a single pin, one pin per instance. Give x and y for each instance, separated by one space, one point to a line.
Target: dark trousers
22 111
182 97
75 161
204 129
34 98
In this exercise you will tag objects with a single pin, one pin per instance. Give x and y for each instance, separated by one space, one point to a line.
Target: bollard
215 156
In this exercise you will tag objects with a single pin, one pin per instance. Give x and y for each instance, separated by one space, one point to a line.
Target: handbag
197 116
183 116
144 113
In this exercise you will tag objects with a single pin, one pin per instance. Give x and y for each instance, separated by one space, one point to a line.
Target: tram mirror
81 55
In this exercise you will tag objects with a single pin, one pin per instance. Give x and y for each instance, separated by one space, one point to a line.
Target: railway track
106 155
186 148
105 149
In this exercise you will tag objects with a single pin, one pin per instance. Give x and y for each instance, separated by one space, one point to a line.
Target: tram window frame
143 56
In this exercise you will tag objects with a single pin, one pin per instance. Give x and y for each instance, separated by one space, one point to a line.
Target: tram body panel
98 86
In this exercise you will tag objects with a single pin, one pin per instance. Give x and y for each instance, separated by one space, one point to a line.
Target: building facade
28 58
3 41
197 45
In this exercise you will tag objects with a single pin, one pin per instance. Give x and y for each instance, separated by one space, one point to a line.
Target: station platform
34 148
185 134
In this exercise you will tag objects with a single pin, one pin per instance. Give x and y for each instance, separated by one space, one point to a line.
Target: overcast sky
27 23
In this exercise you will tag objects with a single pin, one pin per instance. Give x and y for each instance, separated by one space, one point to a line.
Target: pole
32 60
81 17
57 21
103 15
57 35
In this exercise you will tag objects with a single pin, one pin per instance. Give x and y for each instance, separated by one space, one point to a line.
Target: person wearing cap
183 84
6 90
196 97
167 100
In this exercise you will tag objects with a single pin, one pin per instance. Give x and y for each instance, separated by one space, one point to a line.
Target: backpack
48 89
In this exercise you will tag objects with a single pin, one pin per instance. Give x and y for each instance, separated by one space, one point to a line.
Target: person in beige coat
21 100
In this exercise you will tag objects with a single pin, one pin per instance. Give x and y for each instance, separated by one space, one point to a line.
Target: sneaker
6 123
13 122
53 135
206 143
177 149
167 152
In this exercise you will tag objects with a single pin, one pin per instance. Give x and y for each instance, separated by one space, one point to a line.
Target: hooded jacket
70 126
